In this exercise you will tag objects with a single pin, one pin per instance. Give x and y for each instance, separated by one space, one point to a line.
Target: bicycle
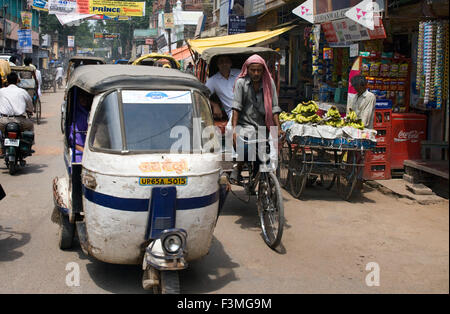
269 198
37 108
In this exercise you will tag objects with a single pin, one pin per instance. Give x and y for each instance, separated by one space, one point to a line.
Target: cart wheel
349 173
66 232
169 283
283 172
38 111
299 174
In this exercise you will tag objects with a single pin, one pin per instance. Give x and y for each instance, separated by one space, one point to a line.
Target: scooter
16 146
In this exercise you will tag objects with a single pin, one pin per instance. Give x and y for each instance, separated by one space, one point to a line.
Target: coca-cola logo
404 136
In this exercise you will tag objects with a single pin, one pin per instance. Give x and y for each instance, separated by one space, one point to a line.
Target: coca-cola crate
383 136
378 154
377 171
382 118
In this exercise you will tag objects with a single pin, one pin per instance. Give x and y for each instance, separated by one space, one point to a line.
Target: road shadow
318 193
10 241
28 169
123 279
209 274
246 211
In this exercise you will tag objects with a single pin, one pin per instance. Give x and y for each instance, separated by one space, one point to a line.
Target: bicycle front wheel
270 209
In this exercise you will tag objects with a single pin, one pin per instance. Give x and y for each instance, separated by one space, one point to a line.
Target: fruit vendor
364 102
255 103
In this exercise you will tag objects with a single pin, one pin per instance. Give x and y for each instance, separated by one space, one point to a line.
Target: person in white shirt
14 103
364 102
222 84
59 73
12 61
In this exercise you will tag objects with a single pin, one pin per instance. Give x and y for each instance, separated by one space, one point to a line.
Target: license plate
11 142
163 181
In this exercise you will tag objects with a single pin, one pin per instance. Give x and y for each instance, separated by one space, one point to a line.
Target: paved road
327 243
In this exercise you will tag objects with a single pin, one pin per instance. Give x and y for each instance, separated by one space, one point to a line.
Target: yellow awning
238 40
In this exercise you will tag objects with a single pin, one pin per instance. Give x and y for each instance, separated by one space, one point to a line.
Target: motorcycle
16 146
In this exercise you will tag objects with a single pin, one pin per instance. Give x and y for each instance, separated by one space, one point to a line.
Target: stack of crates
377 162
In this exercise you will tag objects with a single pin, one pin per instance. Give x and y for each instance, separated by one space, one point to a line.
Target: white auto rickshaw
131 192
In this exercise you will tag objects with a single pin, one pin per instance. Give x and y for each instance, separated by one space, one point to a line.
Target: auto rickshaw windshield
152 121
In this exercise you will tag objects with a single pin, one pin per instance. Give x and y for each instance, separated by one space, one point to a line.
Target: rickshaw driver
81 113
222 84
255 104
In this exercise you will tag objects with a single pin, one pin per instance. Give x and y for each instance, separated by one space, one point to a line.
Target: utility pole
168 9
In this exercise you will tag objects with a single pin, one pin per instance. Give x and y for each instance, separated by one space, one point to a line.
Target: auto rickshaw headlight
172 243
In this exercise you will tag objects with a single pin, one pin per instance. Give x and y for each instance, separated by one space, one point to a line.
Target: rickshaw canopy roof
84 58
157 56
22 68
210 53
238 40
96 79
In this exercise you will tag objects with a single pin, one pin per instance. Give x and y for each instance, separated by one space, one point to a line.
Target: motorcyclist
14 103
59 74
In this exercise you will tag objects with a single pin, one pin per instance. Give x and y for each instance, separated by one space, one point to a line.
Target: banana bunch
306 112
306 108
284 116
351 119
310 119
333 118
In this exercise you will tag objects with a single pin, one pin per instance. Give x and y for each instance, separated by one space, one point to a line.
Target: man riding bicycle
255 106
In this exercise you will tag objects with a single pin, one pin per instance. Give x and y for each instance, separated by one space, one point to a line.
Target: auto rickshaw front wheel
169 283
66 232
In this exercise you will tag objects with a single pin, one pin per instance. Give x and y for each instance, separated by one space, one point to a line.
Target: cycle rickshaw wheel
348 175
270 209
283 172
38 111
299 174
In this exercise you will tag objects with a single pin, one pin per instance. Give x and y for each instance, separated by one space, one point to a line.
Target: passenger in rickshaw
222 84
82 109
255 105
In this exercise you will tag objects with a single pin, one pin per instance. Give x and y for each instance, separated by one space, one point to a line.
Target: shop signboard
25 41
114 8
254 7
236 24
62 6
26 19
348 31
168 20
70 41
149 41
161 41
41 5
46 39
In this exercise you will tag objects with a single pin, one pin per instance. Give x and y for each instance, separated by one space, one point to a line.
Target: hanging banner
26 19
70 41
40 5
305 11
362 13
71 17
25 41
112 8
62 6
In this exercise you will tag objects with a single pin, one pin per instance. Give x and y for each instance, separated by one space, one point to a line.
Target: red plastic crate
378 154
383 136
377 171
382 118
